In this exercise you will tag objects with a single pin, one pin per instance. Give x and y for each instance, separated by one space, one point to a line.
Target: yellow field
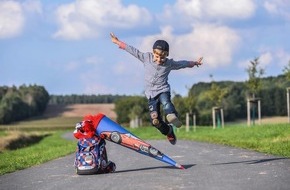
80 110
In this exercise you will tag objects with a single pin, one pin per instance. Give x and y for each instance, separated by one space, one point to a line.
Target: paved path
207 166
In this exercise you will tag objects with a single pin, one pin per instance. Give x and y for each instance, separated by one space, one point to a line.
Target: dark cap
162 45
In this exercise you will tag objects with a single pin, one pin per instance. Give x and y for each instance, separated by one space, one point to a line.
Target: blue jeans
154 104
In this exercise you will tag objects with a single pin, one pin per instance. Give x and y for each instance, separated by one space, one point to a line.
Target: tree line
83 99
18 103
202 97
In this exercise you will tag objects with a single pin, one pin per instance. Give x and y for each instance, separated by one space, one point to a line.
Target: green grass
272 139
49 148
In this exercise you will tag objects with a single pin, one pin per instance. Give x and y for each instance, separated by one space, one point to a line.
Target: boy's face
159 56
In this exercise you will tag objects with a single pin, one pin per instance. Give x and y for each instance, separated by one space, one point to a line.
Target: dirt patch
80 110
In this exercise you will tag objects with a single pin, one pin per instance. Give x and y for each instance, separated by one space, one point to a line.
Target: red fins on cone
110 130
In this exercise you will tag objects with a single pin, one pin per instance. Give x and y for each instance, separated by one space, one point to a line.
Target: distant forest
19 103
83 99
27 101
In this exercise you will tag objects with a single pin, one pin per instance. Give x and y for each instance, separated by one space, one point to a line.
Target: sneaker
110 168
173 119
171 136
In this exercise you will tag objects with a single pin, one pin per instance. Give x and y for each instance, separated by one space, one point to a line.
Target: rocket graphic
112 131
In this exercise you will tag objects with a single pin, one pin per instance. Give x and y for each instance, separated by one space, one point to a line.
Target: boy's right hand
114 39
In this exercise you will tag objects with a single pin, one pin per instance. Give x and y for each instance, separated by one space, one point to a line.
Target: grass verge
50 147
271 139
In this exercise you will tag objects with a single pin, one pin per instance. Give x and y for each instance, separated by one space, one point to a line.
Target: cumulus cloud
13 16
269 59
265 59
229 9
215 43
278 7
83 19
283 57
211 9
11 19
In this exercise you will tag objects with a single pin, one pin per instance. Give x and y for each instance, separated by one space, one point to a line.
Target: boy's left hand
197 63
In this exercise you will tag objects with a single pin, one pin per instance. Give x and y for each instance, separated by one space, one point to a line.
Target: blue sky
65 45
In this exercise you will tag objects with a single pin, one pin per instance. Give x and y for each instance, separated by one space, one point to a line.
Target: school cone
110 130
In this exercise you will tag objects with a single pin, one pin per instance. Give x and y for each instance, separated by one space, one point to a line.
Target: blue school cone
110 130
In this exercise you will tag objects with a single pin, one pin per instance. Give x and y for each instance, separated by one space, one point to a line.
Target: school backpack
91 156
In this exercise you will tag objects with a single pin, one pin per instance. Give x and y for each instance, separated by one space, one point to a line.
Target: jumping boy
157 89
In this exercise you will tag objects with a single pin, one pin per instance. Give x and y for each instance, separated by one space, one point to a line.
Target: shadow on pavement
157 167
252 161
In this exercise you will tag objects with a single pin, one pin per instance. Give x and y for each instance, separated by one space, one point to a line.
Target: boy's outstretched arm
196 63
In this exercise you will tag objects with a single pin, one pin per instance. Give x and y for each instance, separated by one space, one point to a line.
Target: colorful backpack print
91 156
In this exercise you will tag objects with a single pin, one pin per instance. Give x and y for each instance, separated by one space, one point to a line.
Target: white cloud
243 64
83 19
278 7
215 43
13 16
246 63
229 9
211 9
271 7
191 8
11 19
272 60
265 59
283 57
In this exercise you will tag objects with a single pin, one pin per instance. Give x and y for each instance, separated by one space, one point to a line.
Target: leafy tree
286 71
180 106
125 106
21 103
216 94
234 101
255 73
136 113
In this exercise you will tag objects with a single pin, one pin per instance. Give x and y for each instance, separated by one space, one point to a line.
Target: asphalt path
208 166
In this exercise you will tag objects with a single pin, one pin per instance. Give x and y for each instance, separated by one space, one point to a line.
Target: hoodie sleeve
143 57
175 65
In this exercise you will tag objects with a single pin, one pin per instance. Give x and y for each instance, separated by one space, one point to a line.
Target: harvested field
274 120
80 110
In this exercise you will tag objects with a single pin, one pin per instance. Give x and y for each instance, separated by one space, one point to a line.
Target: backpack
91 156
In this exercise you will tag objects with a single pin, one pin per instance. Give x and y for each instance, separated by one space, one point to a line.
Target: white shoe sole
171 118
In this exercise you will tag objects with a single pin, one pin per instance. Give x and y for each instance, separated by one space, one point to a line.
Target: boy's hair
160 52
161 45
